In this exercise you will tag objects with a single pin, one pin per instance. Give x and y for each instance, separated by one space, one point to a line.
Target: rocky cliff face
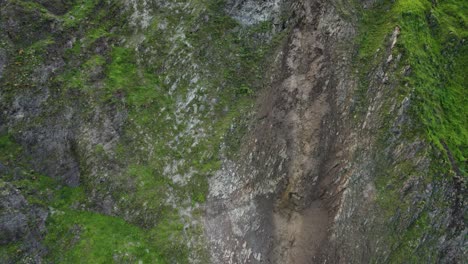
232 132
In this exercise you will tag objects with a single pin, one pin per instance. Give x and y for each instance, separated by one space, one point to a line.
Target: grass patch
9 150
86 237
431 42
80 12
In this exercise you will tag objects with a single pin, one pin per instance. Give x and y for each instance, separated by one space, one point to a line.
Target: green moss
410 241
19 74
81 10
97 33
122 72
34 19
95 61
149 186
10 253
86 237
79 78
31 6
9 150
169 238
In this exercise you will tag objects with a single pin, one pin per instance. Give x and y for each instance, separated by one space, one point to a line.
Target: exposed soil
300 234
289 155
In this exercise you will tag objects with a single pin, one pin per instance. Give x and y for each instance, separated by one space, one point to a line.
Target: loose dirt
300 234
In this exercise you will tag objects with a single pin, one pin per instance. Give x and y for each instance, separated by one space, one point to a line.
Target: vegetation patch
431 42
182 82
433 55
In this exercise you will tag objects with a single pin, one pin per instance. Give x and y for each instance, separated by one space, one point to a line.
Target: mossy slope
175 76
421 204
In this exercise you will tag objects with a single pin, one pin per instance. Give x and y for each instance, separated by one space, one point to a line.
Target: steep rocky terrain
233 131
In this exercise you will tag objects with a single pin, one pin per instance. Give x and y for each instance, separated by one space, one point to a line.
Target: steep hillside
233 131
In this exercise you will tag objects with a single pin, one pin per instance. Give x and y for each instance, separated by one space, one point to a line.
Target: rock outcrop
21 222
